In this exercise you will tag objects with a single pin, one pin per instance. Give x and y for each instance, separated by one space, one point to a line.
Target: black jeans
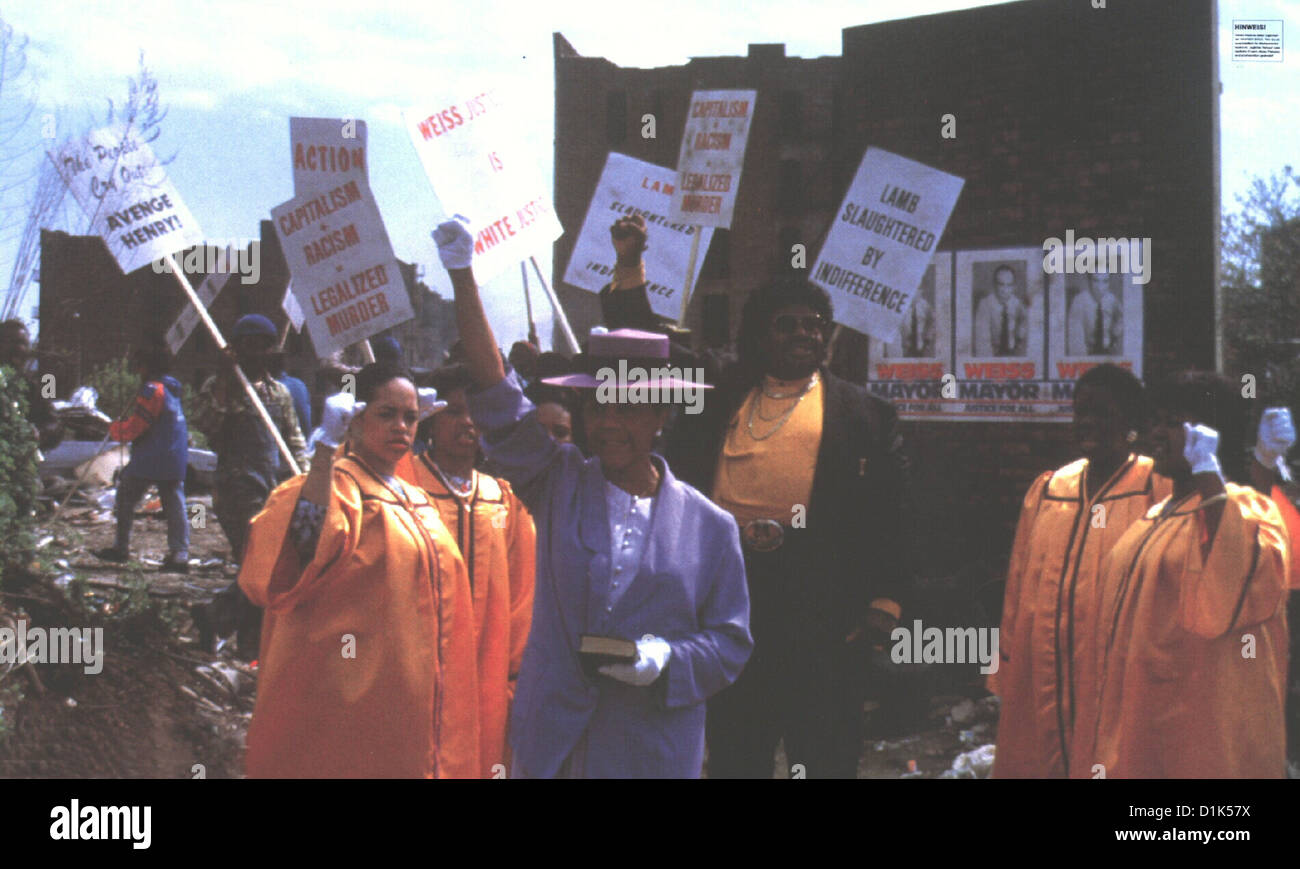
802 684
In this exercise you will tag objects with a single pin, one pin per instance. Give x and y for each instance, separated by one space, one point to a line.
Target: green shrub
18 480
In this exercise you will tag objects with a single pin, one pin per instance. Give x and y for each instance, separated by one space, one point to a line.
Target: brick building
92 314
1104 121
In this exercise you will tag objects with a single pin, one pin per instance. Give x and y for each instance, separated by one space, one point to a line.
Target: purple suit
689 590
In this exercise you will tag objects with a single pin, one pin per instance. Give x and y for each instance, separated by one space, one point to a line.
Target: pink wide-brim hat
649 351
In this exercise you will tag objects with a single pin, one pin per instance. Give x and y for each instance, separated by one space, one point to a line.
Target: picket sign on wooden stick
528 299
243 379
688 288
555 306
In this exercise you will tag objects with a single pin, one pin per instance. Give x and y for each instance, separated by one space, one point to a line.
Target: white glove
340 409
429 403
455 244
1276 436
1199 447
652 656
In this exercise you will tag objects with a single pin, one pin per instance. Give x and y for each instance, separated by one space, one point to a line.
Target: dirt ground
161 708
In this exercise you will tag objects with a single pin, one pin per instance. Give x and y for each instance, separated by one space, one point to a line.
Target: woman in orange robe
1193 631
1071 518
495 535
367 655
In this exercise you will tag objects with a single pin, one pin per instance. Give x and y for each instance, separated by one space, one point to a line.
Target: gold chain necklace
783 418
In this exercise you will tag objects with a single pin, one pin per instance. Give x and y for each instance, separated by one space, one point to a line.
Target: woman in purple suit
624 551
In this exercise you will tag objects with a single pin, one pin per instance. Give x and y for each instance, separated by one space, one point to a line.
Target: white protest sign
292 310
344 273
327 153
711 157
207 292
882 239
470 149
121 186
630 186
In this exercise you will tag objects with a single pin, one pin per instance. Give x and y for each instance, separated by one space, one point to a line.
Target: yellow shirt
765 477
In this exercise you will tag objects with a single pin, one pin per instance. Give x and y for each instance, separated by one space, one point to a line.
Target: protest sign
629 186
711 157
345 276
207 292
470 147
882 240
292 310
326 153
124 190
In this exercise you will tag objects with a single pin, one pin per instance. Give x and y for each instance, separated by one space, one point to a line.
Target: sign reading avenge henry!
882 239
711 157
630 186
117 181
326 153
470 147
344 273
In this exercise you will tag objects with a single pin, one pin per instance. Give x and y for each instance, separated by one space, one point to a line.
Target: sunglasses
787 323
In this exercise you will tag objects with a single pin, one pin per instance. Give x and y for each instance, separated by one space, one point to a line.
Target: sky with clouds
233 71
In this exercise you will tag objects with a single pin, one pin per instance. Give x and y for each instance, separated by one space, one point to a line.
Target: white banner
882 239
344 273
207 292
292 310
121 186
630 186
470 147
711 157
326 153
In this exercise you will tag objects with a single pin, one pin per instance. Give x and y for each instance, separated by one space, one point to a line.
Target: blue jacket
301 399
162 452
690 590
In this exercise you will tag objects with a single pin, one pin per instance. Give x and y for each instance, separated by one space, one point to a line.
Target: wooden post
243 379
687 284
555 306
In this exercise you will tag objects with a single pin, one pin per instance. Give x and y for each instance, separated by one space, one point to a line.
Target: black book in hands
596 650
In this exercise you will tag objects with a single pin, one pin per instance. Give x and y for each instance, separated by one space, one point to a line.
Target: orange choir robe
1047 675
1292 519
388 581
1194 646
496 537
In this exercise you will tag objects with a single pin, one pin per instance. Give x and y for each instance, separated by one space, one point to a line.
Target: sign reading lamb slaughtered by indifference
327 152
344 273
473 148
121 186
627 187
711 157
882 239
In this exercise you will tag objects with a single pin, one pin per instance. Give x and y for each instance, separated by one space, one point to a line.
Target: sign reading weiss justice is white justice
120 185
711 157
882 240
469 146
344 273
630 186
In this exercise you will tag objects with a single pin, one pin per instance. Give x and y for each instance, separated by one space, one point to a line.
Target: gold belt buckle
763 535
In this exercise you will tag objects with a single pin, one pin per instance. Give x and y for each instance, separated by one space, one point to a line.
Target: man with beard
813 471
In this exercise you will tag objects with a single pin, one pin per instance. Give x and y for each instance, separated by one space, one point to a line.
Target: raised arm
456 250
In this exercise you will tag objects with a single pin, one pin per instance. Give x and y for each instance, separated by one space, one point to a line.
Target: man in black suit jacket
814 471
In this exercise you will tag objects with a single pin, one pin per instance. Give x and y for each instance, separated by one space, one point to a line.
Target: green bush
18 480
